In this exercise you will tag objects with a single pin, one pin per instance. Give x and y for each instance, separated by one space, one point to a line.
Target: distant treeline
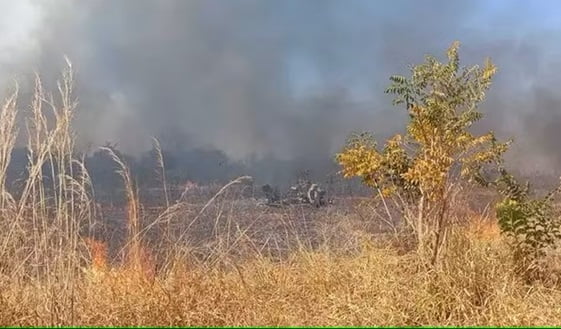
195 165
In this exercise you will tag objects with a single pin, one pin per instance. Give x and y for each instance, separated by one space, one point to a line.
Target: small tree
438 149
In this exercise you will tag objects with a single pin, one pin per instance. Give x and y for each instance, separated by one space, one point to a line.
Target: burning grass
228 262
475 286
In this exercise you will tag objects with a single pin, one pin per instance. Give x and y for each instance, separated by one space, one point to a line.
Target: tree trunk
440 230
420 220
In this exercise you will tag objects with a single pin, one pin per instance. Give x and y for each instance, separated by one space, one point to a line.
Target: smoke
283 79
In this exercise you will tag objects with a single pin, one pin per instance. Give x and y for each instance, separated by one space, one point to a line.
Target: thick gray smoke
288 79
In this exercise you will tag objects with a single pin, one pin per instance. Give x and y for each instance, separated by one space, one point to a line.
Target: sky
288 79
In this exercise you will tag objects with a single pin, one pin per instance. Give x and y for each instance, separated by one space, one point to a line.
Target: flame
98 251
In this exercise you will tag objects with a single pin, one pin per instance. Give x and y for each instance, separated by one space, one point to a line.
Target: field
244 264
211 256
363 282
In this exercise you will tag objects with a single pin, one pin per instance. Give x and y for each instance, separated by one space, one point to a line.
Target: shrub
531 225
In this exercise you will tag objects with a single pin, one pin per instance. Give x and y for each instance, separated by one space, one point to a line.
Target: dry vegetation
227 262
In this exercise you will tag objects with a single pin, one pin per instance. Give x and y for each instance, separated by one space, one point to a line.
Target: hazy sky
287 78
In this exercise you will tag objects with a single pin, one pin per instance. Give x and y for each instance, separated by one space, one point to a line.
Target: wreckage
304 192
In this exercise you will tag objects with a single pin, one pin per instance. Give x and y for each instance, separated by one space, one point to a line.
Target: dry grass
376 287
329 268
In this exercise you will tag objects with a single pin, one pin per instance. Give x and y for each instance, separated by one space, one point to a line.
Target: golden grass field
254 267
377 286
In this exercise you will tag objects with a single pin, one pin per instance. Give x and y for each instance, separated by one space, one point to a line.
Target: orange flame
98 251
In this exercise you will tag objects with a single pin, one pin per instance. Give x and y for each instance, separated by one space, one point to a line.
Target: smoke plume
283 79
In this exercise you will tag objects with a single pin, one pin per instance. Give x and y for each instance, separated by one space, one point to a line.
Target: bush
531 225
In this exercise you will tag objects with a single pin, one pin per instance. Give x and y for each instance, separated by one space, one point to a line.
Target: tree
438 149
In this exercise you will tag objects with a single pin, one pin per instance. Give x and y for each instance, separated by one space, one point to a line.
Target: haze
285 79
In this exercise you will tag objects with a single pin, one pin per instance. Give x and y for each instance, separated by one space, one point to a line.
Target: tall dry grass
375 287
55 270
